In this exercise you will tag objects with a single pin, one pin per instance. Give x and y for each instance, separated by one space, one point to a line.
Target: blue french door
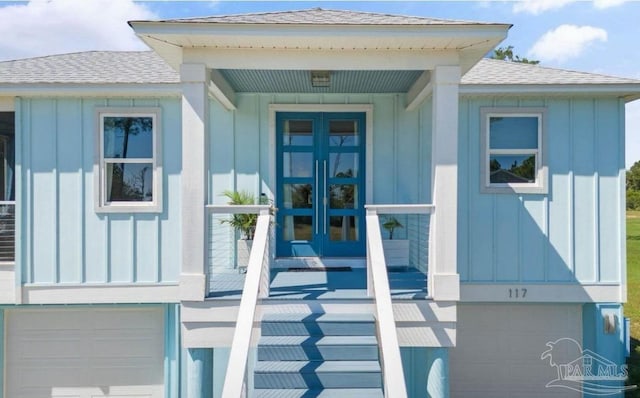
320 184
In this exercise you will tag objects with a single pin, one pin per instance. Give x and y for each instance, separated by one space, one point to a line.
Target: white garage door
499 347
84 353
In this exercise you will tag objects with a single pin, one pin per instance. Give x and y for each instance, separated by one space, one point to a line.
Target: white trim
221 90
334 108
419 91
7 104
99 293
540 186
123 90
101 204
629 92
540 293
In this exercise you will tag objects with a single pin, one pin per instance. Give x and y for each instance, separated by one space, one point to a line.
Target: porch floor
349 283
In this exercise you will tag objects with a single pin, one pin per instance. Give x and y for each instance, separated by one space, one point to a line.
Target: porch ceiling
299 81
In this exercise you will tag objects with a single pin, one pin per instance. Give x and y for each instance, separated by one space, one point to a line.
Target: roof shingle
320 16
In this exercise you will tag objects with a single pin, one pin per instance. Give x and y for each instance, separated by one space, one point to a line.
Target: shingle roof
319 16
93 67
491 71
146 67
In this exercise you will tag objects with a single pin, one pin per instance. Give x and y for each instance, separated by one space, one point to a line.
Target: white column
195 121
443 265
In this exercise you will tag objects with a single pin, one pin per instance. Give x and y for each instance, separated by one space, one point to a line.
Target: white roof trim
91 90
628 91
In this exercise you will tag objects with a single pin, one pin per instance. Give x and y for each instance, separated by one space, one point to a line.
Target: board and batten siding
573 233
64 240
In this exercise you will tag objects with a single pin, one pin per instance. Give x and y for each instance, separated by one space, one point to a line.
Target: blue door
320 184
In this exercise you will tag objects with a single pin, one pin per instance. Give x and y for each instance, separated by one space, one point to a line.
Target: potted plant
396 252
244 224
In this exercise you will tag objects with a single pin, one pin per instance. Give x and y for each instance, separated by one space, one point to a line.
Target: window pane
343 228
298 132
297 164
297 196
343 165
513 132
343 133
129 182
128 137
297 228
512 169
343 196
7 155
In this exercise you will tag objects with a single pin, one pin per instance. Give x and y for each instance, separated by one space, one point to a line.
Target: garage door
84 353
499 347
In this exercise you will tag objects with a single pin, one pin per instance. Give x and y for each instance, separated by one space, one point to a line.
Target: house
122 280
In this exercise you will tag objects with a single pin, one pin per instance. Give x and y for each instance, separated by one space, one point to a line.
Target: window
130 174
513 159
7 186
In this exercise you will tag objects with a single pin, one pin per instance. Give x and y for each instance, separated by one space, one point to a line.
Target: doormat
319 269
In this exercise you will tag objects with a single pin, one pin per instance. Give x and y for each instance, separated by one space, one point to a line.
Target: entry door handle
316 193
325 188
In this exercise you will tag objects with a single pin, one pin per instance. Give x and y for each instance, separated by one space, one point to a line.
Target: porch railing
7 230
256 285
378 287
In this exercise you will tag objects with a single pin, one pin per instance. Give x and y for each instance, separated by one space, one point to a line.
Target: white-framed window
513 158
129 175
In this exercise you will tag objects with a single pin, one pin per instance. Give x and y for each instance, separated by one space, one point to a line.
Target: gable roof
320 16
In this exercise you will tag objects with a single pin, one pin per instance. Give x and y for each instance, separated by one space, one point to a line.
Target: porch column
199 373
445 281
195 105
438 373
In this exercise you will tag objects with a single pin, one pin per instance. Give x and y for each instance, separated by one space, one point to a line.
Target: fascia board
90 90
631 91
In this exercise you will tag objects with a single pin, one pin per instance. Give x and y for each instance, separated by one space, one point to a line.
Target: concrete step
326 393
313 348
317 374
318 325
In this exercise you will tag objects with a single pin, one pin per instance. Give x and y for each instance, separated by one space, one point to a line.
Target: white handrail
238 209
253 288
393 375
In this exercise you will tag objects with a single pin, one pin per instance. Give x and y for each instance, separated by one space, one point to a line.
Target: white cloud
536 7
601 4
58 26
566 42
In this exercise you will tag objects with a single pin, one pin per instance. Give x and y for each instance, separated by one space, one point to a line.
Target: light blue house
502 183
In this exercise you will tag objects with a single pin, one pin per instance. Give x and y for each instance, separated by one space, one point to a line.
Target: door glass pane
297 164
343 133
512 169
343 228
298 132
297 228
343 196
343 165
298 196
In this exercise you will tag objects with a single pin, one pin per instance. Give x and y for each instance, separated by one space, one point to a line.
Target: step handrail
255 287
391 361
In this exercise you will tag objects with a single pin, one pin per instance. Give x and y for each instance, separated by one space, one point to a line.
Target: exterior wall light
320 78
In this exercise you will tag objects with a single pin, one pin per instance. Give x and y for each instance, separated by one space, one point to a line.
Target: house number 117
517 293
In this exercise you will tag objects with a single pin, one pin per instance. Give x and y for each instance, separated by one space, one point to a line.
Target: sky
599 36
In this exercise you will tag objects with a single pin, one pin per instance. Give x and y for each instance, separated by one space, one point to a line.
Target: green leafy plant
390 224
243 223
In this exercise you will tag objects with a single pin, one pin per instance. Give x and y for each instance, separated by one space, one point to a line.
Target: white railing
256 286
7 230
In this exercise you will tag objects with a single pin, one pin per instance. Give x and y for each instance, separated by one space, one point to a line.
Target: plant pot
243 247
396 252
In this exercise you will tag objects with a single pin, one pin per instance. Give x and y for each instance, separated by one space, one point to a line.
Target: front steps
318 355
